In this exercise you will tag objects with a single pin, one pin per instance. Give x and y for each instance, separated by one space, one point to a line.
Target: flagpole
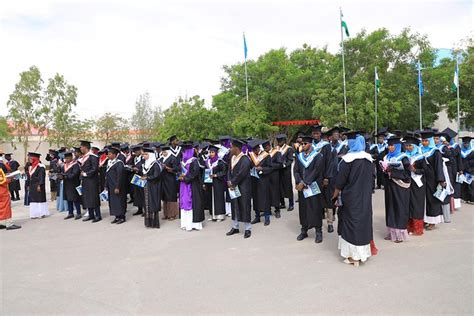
343 65
245 67
457 91
375 87
419 96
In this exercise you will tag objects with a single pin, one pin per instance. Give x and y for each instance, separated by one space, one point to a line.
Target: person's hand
258 168
325 182
411 168
443 184
38 188
84 174
143 177
300 186
168 168
461 172
116 191
213 175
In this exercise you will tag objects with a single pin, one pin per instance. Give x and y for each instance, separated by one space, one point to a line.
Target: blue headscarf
396 152
414 152
430 146
356 144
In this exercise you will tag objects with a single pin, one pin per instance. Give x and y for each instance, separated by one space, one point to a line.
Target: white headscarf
149 162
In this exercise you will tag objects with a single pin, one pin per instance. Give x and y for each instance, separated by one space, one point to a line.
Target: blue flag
245 48
420 82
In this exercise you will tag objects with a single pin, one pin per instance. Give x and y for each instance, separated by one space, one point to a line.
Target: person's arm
193 172
155 174
241 173
221 169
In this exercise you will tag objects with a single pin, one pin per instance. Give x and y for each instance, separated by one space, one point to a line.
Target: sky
113 51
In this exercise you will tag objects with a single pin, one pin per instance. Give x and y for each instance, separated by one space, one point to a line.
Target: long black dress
90 182
286 184
457 168
355 215
310 208
433 175
152 192
138 192
397 197
37 178
219 186
263 183
116 178
193 177
381 152
467 190
239 175
71 180
168 178
276 165
418 194
14 186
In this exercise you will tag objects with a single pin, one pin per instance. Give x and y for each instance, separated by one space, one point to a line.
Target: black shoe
232 232
95 220
12 227
290 208
319 237
78 216
302 236
256 220
3 226
88 218
114 221
69 216
120 221
267 222
277 214
330 228
247 234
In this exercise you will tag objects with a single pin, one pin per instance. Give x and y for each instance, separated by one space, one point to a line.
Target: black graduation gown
138 193
102 172
38 178
457 167
153 177
328 190
418 194
355 214
219 187
286 184
467 190
240 176
129 172
90 183
206 187
194 178
116 178
168 179
276 165
397 198
71 180
433 175
15 184
310 214
380 175
53 170
263 185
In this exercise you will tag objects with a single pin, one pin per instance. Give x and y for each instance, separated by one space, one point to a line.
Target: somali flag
245 48
420 81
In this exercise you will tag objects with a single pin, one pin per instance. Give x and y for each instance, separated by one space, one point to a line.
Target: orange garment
5 203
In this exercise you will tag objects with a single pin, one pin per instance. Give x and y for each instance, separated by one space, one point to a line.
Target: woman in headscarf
190 191
218 171
397 191
36 175
467 155
417 186
151 172
434 177
171 168
354 187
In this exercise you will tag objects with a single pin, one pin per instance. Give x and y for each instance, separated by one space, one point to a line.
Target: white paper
234 193
14 174
311 190
441 193
460 178
417 179
136 180
79 190
207 176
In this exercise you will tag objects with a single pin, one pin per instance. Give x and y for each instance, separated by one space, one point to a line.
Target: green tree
5 133
111 127
146 118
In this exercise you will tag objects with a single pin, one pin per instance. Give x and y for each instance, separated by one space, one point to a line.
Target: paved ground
52 266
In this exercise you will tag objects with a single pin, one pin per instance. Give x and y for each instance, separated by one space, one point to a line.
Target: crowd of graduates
424 174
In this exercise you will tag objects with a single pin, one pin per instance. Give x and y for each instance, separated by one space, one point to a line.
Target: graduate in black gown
353 195
90 182
434 177
261 161
456 162
71 176
36 177
116 186
14 186
138 192
467 155
286 184
171 167
417 186
309 169
276 163
396 167
52 157
239 176
381 151
218 173
151 172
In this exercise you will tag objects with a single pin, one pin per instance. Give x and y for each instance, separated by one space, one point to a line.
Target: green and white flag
455 85
377 81
344 25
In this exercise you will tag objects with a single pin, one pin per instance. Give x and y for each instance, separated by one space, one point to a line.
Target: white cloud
115 50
